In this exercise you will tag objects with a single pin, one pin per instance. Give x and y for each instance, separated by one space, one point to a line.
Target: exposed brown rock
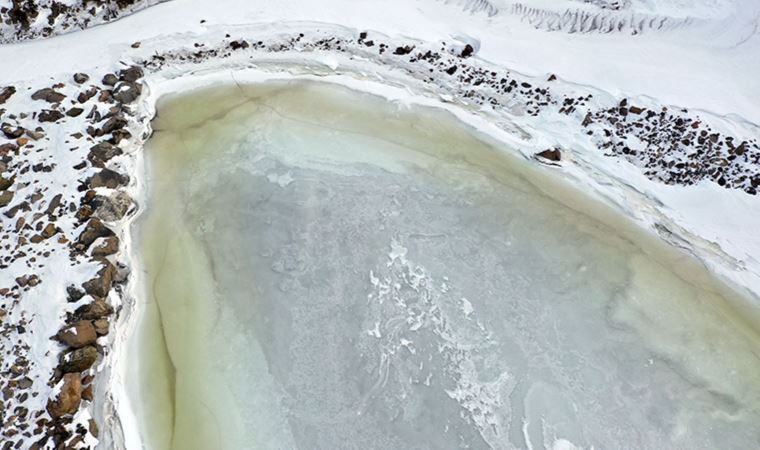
113 207
550 154
78 335
93 230
79 360
5 198
101 327
101 283
109 246
131 74
11 132
74 112
98 309
87 393
109 179
67 401
102 153
110 79
49 95
80 78
50 115
6 93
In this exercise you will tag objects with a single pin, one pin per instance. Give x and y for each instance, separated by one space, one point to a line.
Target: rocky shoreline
70 204
82 221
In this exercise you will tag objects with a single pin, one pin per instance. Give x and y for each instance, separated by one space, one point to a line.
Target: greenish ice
325 269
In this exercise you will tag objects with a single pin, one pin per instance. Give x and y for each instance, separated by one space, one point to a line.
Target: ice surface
326 270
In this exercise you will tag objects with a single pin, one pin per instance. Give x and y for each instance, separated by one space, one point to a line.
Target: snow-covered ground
701 56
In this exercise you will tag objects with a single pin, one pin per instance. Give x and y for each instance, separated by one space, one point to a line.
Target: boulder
6 93
11 132
67 401
5 198
79 360
102 153
110 79
101 327
403 50
49 231
5 183
80 78
73 293
100 285
98 309
74 112
50 115
86 95
109 179
113 207
467 51
552 154
127 92
113 124
92 231
131 74
80 334
109 246
49 95
8 148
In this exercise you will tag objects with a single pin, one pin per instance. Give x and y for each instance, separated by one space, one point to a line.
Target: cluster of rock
670 144
20 20
31 216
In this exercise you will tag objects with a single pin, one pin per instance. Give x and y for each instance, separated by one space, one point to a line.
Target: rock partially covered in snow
78 335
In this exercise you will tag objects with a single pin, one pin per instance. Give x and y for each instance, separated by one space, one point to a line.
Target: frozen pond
326 270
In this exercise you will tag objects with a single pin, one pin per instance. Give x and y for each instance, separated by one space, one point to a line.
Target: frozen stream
328 271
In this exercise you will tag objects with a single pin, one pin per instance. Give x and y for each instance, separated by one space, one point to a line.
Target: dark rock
113 207
101 327
80 78
6 93
74 112
635 110
11 132
73 293
78 335
110 79
68 400
102 153
49 95
451 70
131 74
92 231
403 50
467 51
5 183
109 246
550 154
95 310
113 124
101 284
108 178
8 148
127 92
5 198
86 95
50 115
49 231
79 360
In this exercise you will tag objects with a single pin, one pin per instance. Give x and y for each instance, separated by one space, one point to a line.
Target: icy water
326 270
